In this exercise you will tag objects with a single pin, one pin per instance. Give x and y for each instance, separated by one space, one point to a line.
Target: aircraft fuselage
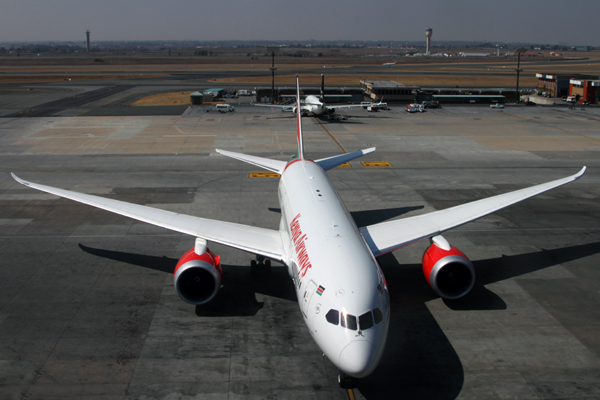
341 289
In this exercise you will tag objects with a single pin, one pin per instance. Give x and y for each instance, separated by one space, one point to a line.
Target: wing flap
389 236
266 242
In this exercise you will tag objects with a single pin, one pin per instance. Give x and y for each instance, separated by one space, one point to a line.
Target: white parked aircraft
341 290
313 105
389 64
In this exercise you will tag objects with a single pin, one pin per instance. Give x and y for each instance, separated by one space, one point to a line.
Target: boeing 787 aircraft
341 290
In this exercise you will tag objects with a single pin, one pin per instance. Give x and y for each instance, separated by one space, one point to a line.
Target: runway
88 308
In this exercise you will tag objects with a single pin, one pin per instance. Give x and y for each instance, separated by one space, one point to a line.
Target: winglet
21 181
299 121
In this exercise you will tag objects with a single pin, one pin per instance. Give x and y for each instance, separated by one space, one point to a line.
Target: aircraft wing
266 242
270 105
277 105
344 106
389 236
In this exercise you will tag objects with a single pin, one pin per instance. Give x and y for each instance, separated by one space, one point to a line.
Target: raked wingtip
16 178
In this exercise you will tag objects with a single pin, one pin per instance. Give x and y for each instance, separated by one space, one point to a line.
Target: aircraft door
308 293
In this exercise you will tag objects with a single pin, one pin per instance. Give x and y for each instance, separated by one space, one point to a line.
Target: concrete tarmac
88 308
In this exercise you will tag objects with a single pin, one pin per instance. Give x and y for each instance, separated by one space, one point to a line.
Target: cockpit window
349 322
333 317
378 315
365 321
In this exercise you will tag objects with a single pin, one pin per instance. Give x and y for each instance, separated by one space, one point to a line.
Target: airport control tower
428 33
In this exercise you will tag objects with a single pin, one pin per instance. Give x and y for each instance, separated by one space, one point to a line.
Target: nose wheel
346 381
260 268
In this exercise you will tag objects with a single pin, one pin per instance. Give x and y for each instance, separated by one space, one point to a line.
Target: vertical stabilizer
299 121
322 88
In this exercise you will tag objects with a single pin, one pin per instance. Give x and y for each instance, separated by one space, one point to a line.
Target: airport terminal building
389 91
287 94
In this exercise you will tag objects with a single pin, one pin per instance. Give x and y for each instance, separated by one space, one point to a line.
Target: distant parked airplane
341 290
314 105
388 64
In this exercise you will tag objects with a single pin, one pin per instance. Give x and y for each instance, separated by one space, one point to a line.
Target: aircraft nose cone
357 359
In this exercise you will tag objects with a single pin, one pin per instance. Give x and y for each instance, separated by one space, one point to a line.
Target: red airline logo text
298 238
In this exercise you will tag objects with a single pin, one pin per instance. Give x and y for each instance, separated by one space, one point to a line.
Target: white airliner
342 293
389 64
314 105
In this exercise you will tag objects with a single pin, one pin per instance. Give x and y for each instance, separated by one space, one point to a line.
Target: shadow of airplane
237 296
419 360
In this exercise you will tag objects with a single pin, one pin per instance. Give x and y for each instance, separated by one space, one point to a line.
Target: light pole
518 51
273 50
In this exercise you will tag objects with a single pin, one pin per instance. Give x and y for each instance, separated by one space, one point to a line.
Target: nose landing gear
346 381
260 267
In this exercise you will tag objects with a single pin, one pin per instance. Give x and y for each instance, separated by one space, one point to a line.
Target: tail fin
299 121
322 88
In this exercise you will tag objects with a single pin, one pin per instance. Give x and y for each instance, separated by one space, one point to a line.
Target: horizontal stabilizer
332 162
266 163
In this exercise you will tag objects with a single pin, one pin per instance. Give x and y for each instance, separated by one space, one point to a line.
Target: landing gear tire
346 381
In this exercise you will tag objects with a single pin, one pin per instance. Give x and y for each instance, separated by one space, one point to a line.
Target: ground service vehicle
225 108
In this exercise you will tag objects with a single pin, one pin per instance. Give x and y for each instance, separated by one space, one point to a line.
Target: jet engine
197 277
447 270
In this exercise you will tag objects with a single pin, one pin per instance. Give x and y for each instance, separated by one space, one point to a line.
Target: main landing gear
260 267
346 381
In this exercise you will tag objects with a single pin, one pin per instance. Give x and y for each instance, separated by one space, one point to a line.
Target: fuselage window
365 321
378 315
349 322
333 317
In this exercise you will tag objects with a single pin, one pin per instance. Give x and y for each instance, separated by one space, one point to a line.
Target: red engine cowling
448 271
197 277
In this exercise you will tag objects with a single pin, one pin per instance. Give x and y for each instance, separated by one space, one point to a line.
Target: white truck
223 108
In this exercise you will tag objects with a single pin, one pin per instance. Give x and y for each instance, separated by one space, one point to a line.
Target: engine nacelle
447 270
197 277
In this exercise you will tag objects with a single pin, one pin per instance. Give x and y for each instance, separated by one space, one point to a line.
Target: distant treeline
158 45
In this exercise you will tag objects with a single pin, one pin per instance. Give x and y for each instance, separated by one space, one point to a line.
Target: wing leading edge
266 242
389 236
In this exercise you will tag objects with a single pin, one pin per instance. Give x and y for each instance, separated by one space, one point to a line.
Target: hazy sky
540 21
